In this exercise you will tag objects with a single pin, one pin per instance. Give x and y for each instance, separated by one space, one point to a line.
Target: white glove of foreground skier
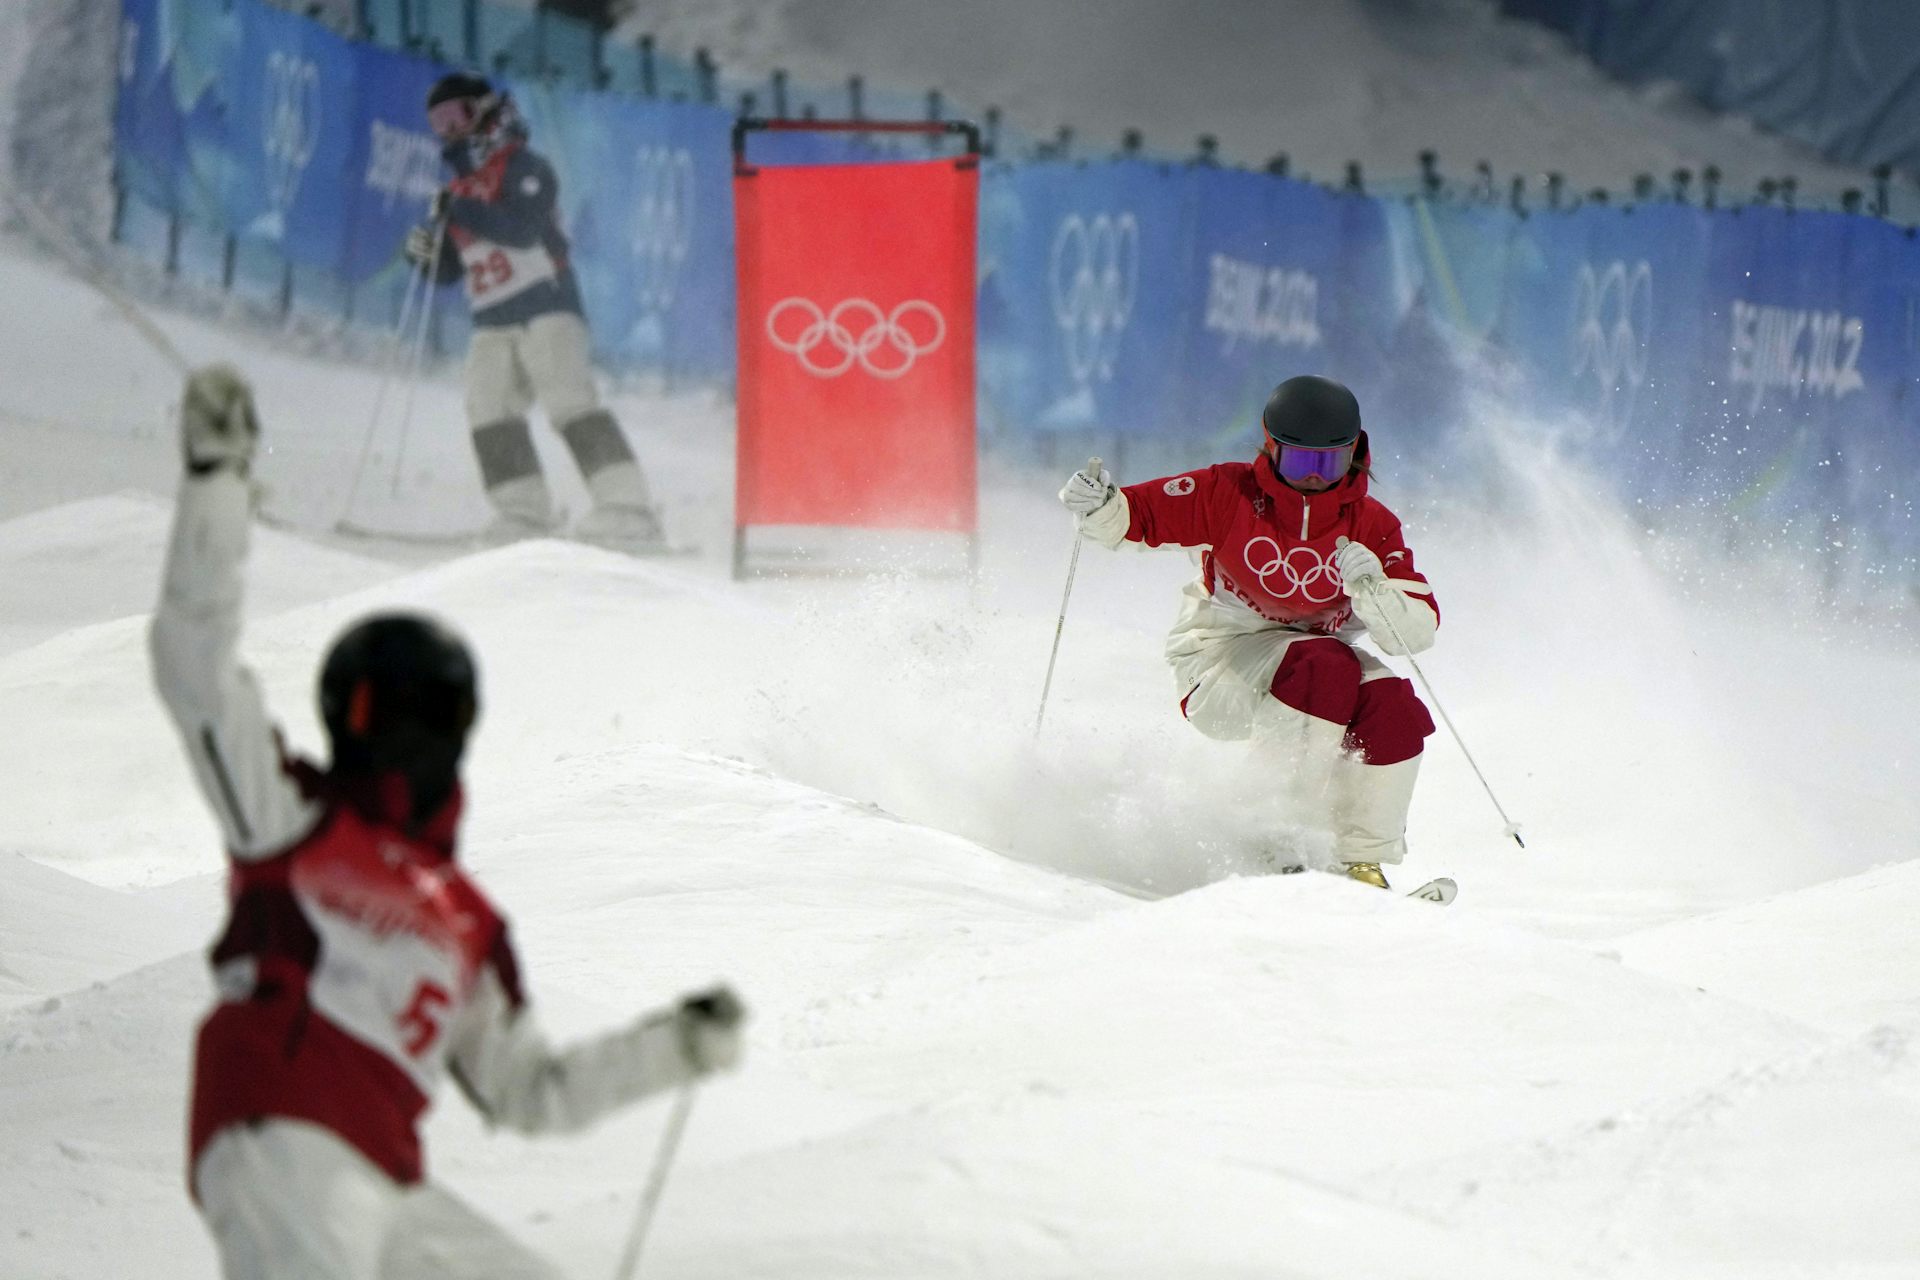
218 425
710 1029
1396 620
1085 494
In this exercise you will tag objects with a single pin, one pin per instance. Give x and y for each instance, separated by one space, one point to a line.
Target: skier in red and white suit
360 963
1299 562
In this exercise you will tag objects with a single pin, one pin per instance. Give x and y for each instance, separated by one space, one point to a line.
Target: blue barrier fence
1754 361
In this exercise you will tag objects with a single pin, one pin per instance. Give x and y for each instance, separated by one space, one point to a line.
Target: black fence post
1279 164
1430 175
1517 195
990 145
856 98
936 105
1882 190
1131 143
1206 150
116 224
709 76
649 86
779 93
1710 186
749 104
470 31
1556 190
1356 184
1682 185
1642 187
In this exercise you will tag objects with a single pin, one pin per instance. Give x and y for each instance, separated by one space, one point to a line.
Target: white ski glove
419 245
1085 494
709 1025
1356 562
1398 622
1100 510
218 425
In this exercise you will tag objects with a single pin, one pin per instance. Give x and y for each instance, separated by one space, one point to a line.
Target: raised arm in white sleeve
511 1074
213 699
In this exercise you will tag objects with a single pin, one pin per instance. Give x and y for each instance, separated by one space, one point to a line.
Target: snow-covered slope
1841 955
960 1063
99 559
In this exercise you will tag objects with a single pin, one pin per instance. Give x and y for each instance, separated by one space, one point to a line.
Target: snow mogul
497 224
359 962
1299 562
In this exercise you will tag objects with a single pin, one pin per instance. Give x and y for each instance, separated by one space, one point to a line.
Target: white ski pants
1343 731
286 1200
547 359
509 367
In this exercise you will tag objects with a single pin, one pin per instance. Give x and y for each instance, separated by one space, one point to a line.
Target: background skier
502 233
1299 563
359 961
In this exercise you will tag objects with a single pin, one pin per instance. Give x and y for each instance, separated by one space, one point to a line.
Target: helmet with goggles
1313 426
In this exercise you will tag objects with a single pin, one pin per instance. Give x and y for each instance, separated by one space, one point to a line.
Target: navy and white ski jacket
504 237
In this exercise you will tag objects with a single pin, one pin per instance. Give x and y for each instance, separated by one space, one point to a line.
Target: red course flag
856 399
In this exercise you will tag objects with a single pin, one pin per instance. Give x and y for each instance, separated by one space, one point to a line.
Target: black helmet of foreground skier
360 963
1299 563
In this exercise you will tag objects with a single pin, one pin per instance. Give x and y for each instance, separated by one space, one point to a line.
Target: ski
474 538
1441 890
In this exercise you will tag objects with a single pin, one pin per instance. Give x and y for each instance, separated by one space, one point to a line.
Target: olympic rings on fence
1094 272
878 334
663 221
1612 325
289 124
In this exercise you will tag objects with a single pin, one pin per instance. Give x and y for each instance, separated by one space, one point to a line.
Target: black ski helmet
456 85
398 694
1312 412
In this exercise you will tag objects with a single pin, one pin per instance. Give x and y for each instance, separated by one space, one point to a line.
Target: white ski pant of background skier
1344 732
287 1200
547 361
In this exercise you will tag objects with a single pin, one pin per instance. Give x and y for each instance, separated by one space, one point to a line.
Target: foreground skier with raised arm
359 961
1299 563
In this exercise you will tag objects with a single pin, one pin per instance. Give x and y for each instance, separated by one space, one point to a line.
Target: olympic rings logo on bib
856 332
1303 572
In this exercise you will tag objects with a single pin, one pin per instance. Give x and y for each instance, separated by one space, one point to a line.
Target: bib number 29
488 272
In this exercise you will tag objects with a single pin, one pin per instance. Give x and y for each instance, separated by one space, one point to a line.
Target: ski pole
419 350
656 1182
1073 565
402 333
1511 828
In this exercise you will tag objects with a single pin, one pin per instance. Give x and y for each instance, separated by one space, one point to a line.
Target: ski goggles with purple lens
1296 464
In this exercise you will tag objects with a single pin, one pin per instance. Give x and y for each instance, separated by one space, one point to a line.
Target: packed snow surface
1023 1006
